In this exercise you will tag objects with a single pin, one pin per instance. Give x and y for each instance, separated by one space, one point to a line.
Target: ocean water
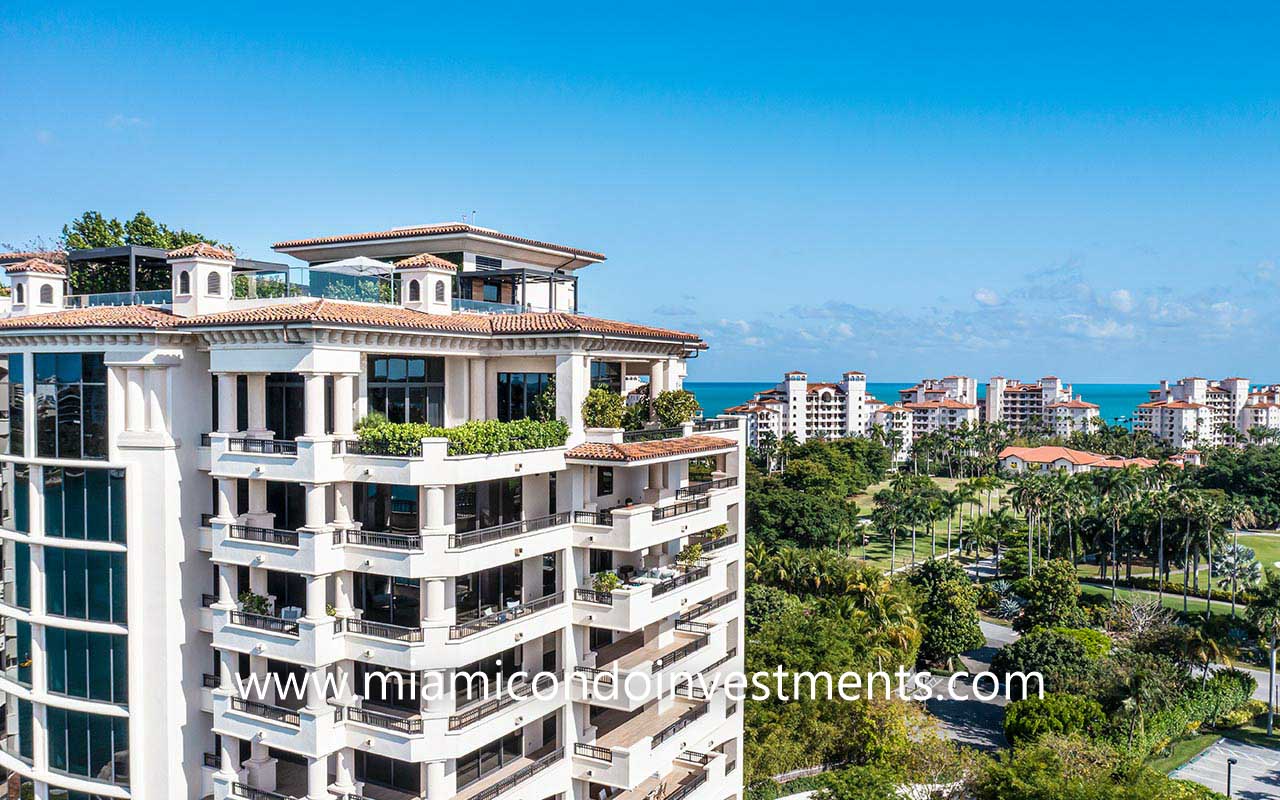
1116 401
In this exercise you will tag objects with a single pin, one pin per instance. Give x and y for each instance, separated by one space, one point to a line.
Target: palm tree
1239 515
1236 565
1001 522
1204 651
1116 487
1212 516
948 504
1264 613
1188 505
768 448
786 445
1143 693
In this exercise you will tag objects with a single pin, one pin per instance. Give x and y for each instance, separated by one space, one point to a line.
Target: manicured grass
1183 751
1256 734
1171 601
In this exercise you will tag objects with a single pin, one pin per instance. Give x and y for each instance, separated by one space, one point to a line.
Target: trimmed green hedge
470 438
1208 705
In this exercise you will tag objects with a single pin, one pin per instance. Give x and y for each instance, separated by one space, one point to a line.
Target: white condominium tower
809 410
1046 404
1199 412
189 504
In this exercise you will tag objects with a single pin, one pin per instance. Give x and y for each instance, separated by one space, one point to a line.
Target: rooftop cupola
36 286
426 283
201 279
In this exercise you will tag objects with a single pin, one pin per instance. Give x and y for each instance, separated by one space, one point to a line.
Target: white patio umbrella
359 265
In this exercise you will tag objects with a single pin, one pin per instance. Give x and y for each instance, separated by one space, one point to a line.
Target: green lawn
1171 601
1183 751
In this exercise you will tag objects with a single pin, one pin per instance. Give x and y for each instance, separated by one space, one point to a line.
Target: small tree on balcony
605 582
675 407
253 603
636 416
602 409
543 407
689 556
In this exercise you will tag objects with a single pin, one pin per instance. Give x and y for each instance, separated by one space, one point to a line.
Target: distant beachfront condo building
1200 412
1048 404
809 410
187 501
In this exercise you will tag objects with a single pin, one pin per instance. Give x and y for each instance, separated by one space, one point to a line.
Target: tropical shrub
675 407
602 409
469 438
1211 704
950 617
605 582
1030 718
1060 659
1096 643
1052 597
253 603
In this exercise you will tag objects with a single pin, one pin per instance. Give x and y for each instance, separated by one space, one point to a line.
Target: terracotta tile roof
36 265
559 322
1048 454
442 229
426 260
640 451
95 317
1073 404
948 403
53 256
815 387
345 313
201 250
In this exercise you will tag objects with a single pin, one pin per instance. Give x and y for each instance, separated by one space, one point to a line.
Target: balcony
510 530
693 649
156 297
537 769
637 527
630 747
644 601
447 456
505 616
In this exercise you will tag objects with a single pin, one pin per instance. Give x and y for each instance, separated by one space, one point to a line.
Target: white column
438 784
346 772
343 404
230 753
315 506
433 520
157 399
226 402
228 591
227 667
313 393
433 591
316 700
318 779
477 389
317 591
227 499
257 404
135 406
572 384
342 500
343 587
657 379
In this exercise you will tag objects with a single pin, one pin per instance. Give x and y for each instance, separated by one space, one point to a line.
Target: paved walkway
1256 776
966 719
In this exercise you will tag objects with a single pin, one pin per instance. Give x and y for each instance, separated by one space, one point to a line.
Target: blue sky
1089 192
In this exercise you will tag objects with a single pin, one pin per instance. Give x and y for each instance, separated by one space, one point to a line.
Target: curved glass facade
85 584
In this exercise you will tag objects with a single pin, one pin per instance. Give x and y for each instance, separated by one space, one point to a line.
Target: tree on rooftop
93 230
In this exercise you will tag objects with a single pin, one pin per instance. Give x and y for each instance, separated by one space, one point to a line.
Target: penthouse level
188 499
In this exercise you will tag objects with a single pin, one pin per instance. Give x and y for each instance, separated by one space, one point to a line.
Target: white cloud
986 297
1122 301
119 121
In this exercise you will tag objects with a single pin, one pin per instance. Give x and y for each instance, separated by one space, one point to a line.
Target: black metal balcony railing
264 622
382 630
702 759
695 489
716 425
652 434
508 697
593 751
604 518
510 529
520 776
690 626
686 719
387 722
211 681
692 575
273 713
206 440
733 652
688 788
277 447
207 600
206 520
689 690
390 541
250 793
592 596
592 673
505 615
252 533
685 507
662 662
213 760
712 545
706 607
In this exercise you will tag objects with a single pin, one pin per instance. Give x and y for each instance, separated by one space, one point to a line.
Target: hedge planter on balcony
471 438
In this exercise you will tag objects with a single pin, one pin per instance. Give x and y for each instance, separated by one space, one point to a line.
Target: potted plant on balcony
675 407
605 582
253 603
689 557
602 409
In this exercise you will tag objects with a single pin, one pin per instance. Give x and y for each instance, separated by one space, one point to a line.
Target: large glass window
383 686
500 665
21 574
386 508
84 504
388 773
518 393
286 404
394 601
489 758
407 389
88 665
90 745
13 390
287 501
15 496
489 591
483 505
86 584
71 405
17 650
606 375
